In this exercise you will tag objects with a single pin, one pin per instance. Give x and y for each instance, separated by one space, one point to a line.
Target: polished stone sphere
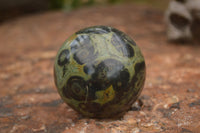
100 72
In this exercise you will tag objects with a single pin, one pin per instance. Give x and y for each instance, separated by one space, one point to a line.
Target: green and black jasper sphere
99 71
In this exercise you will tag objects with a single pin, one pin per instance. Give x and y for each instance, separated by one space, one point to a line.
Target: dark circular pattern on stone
110 72
63 57
83 49
139 71
75 88
139 66
121 85
108 69
79 89
179 21
121 82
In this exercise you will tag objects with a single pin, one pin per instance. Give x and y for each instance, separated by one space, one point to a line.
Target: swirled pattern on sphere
99 71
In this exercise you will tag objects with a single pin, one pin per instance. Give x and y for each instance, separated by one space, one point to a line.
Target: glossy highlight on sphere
99 71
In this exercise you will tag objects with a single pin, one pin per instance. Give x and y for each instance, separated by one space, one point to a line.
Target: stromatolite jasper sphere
99 71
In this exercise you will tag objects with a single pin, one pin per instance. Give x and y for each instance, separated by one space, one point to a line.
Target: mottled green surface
99 71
